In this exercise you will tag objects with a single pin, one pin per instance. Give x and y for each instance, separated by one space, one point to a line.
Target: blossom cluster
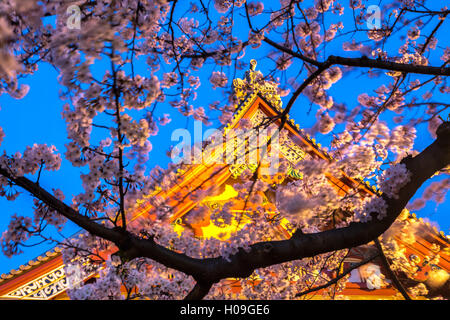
33 158
218 79
393 179
17 232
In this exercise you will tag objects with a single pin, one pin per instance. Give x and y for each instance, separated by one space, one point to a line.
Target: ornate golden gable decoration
254 82
44 287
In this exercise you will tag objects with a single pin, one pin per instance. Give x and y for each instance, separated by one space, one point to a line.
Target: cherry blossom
218 79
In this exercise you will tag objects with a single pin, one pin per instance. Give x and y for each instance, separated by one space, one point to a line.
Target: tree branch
365 62
292 53
339 277
391 66
65 210
199 291
391 274
302 87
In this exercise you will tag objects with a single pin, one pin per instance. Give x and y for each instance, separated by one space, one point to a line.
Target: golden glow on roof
239 220
227 194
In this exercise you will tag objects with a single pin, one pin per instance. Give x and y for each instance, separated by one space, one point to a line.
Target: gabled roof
31 265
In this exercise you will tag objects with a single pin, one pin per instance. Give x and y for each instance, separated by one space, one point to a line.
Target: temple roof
30 265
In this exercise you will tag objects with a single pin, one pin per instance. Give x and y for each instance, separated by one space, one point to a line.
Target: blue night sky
37 119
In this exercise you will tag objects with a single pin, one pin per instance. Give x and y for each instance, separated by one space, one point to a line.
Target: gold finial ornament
254 83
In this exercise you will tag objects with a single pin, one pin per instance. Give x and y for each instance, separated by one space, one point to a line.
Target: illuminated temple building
44 277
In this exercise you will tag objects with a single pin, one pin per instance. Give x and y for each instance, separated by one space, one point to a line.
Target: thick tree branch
131 245
391 66
199 291
84 222
365 62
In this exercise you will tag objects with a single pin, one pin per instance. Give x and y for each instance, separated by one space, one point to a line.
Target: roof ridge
52 253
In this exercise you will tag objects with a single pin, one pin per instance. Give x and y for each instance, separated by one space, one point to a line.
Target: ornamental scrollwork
254 82
42 288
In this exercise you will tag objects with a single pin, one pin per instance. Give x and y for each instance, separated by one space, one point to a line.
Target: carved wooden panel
42 288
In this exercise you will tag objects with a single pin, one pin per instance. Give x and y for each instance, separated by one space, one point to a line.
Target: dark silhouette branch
303 86
362 62
388 65
199 291
365 62
54 203
292 53
391 273
339 277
